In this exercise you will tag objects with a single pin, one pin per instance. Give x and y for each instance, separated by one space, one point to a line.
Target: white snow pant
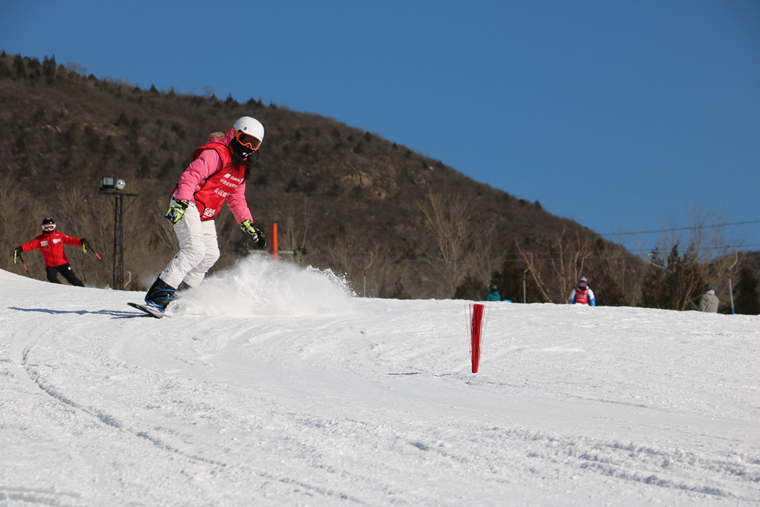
198 250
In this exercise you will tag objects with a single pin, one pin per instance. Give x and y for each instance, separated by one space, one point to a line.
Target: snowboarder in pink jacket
215 176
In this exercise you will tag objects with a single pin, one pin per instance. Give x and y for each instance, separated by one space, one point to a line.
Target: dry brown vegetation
336 190
357 203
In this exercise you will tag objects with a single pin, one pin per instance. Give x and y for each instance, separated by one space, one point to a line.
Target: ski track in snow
304 395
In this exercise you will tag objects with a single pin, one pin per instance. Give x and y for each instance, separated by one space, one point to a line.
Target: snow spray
259 285
476 319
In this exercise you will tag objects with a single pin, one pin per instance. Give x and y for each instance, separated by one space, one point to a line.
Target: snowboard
148 310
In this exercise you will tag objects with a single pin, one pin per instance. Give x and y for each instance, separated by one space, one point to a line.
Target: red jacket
218 187
51 246
210 180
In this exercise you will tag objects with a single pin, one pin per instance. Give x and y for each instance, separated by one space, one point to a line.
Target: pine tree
399 292
5 72
49 67
673 287
747 300
509 280
653 292
18 65
122 120
471 288
606 289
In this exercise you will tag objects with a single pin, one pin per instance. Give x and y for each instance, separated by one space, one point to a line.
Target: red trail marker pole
476 331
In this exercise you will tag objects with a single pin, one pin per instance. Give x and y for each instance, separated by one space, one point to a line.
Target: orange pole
274 240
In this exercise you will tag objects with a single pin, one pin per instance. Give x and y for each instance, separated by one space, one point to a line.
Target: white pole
371 258
730 287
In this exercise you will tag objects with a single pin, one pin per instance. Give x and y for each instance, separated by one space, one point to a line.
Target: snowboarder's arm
238 205
199 170
591 298
572 299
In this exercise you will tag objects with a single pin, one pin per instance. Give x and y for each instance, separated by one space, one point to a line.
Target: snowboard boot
160 295
182 288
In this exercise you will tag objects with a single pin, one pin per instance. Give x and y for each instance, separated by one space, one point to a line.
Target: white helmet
250 126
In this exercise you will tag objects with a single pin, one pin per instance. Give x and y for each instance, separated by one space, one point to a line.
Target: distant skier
582 294
493 293
50 243
709 302
217 174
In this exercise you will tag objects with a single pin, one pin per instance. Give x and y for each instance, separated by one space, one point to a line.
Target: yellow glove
254 232
177 211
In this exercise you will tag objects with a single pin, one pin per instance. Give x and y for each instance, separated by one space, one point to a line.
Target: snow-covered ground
274 386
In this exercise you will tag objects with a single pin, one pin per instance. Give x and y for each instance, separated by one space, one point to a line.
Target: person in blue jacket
493 293
582 294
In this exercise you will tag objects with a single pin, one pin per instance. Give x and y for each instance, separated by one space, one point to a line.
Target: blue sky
617 114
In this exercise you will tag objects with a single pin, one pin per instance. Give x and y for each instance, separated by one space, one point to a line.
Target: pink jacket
205 166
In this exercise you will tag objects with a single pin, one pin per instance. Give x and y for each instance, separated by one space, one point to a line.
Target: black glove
85 245
17 252
254 232
177 211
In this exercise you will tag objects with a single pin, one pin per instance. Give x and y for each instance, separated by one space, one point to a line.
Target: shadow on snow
117 314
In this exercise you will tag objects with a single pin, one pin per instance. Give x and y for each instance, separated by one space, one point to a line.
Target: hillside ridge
336 191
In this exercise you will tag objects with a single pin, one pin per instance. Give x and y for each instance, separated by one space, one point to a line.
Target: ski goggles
48 227
247 140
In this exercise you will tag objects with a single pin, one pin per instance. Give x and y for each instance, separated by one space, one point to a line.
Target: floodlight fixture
107 183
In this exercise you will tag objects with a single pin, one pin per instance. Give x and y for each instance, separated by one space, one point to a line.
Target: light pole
730 285
111 186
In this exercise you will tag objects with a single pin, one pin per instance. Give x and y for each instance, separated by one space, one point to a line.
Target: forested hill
350 197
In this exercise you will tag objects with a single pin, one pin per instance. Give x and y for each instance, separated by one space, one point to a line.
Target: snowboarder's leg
52 274
195 277
192 248
68 274
159 295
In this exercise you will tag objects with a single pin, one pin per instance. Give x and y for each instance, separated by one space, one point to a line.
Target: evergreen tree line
672 282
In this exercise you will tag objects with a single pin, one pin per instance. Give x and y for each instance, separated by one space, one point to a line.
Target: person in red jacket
582 294
50 243
216 175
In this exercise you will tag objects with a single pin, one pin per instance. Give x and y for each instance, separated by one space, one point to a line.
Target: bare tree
461 242
360 260
558 270
704 255
709 238
298 220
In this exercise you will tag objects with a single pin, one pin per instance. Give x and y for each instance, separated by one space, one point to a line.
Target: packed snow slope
271 385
